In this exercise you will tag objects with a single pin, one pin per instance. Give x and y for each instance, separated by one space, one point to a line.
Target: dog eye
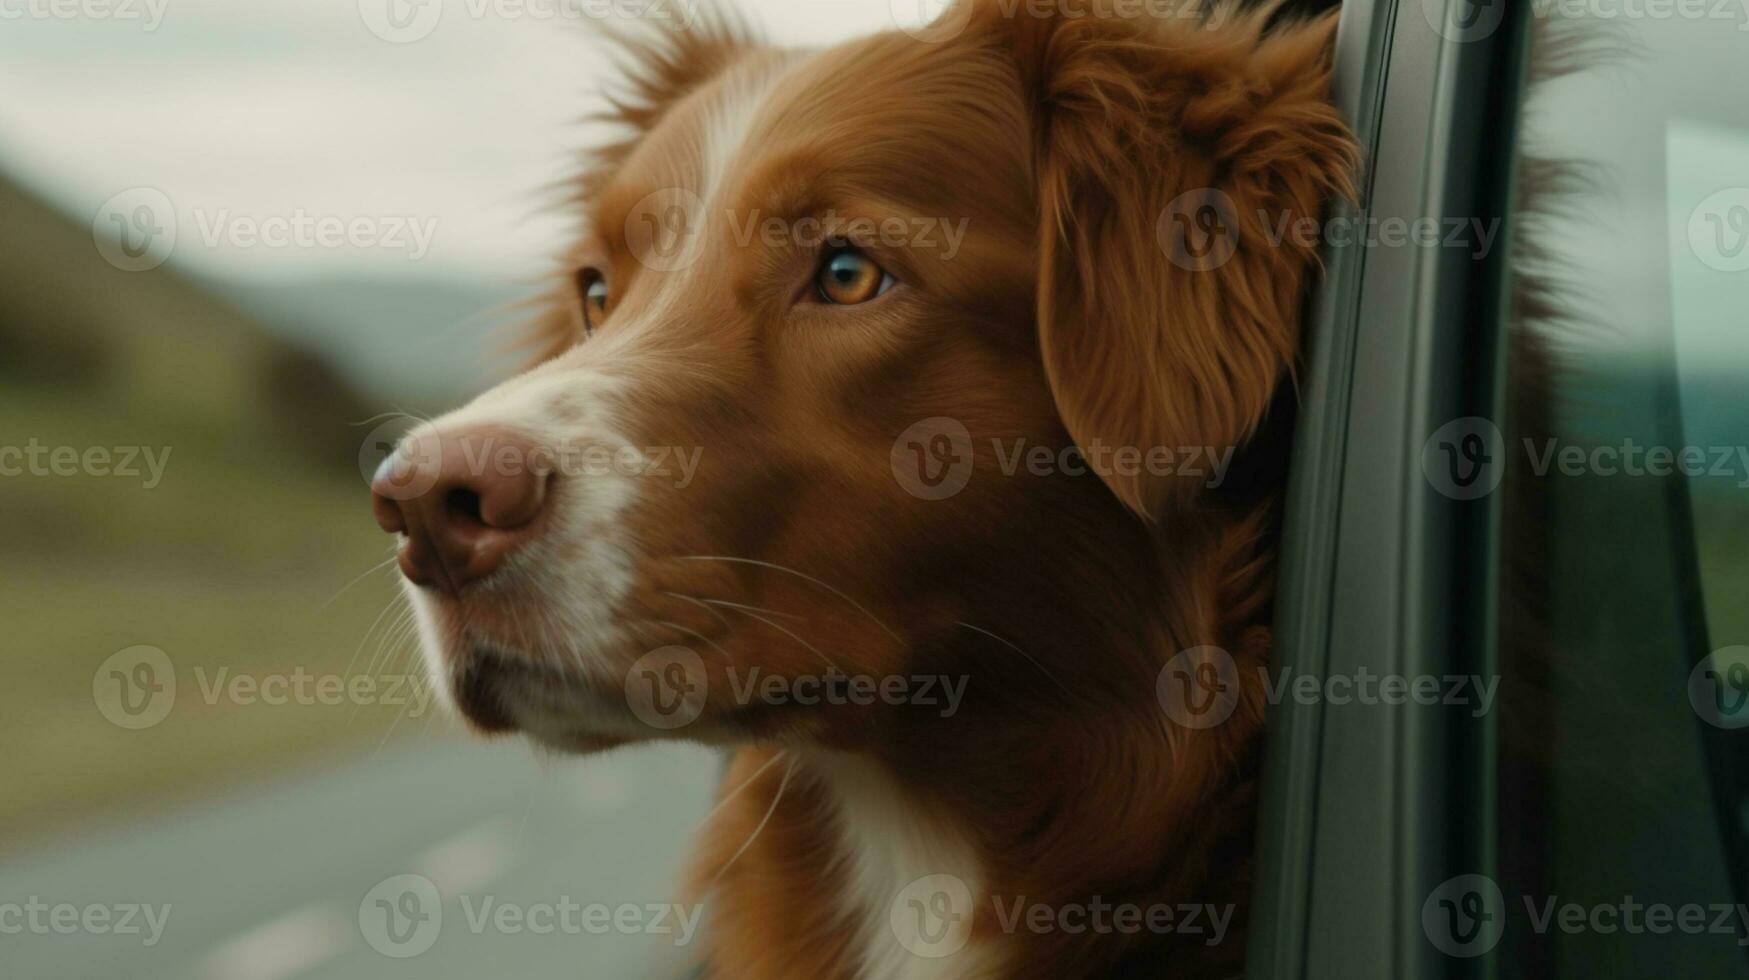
592 288
848 278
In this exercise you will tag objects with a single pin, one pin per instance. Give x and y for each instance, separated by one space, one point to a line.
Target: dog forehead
698 140
870 112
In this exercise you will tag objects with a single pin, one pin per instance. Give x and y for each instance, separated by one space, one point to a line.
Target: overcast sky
457 113
240 111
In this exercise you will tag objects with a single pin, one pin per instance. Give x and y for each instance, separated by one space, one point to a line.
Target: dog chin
584 727
499 693
576 742
592 733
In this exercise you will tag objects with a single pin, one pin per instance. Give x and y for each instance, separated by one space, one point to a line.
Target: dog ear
1183 163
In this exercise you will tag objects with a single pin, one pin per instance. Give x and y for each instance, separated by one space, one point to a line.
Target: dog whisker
803 576
700 603
396 414
402 627
383 637
367 573
693 633
747 611
369 631
743 607
730 796
390 732
769 812
396 649
1028 657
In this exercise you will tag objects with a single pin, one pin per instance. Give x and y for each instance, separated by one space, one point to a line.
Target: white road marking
284 947
470 859
301 940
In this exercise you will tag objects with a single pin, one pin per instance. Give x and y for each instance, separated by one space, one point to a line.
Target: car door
1579 754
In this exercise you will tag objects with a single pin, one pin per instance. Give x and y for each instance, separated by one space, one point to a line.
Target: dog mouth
484 686
581 707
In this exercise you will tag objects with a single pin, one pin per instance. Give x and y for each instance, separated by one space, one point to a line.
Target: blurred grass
261 518
1721 523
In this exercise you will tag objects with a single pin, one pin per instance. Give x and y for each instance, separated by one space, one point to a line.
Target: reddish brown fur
1063 320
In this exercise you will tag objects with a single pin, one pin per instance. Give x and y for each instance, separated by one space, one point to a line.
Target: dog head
873 361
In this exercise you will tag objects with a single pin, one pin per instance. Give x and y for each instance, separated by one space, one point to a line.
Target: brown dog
807 422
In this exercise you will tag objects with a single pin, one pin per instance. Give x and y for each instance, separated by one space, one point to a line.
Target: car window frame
1365 812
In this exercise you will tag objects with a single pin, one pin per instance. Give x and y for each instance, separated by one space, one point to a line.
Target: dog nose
463 501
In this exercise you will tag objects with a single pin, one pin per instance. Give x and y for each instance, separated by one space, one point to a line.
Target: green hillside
229 563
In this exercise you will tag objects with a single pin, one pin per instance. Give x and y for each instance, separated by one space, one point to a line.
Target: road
437 859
